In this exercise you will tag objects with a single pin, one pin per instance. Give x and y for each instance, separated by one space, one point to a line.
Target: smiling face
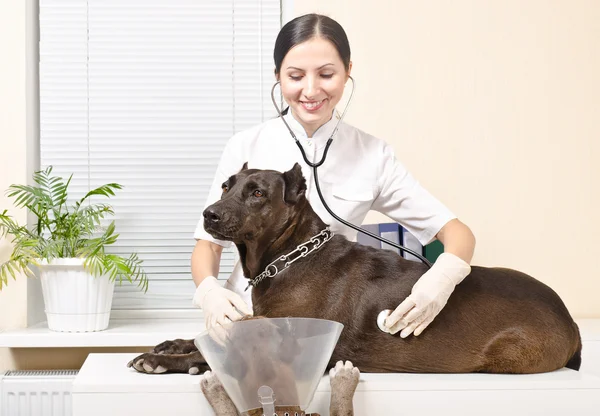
312 82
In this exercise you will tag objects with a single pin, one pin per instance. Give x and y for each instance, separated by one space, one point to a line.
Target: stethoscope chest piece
381 319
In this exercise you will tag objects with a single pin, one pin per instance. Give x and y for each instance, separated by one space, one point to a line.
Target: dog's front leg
177 346
217 396
344 379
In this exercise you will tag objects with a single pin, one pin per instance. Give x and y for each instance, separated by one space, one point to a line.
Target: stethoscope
319 163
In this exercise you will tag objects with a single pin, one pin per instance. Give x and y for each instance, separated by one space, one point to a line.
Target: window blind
146 93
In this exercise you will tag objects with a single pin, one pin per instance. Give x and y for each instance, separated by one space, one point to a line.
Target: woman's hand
220 305
429 295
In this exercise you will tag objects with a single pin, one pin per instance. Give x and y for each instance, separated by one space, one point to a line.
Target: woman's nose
312 87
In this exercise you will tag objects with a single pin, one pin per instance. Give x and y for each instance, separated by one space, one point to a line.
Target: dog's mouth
227 234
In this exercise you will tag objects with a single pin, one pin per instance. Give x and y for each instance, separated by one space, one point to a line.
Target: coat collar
320 136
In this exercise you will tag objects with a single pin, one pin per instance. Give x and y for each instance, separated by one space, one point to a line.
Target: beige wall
494 106
13 304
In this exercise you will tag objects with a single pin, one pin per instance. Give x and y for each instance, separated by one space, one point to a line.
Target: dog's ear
295 184
245 166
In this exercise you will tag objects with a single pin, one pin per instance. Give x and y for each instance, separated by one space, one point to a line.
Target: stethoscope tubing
315 165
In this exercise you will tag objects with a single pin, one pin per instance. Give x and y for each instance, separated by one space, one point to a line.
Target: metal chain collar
272 270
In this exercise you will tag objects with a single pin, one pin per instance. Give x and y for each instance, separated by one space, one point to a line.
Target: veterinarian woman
312 62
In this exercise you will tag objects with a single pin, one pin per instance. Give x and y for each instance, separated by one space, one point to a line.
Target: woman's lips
312 106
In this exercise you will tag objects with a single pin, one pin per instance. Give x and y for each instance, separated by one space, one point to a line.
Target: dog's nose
210 215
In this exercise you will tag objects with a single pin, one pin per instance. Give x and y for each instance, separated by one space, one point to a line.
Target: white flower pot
75 300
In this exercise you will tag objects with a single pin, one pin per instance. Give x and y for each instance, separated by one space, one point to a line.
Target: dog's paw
344 378
210 383
151 363
177 346
216 395
148 363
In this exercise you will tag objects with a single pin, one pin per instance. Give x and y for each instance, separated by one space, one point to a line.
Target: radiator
36 393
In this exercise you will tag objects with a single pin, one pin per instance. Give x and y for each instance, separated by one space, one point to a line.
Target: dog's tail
574 362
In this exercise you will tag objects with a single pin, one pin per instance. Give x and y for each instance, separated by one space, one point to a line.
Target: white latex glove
220 305
428 296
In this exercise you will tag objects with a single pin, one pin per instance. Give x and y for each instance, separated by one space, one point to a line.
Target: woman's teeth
312 105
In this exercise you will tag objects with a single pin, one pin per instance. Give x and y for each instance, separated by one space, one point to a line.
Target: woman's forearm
458 239
206 258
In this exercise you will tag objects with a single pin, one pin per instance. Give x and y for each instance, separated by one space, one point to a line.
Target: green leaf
13 268
104 190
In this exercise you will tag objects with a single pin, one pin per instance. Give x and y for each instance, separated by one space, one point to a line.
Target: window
146 93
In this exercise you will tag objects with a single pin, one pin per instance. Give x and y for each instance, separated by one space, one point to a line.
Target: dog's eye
224 188
258 193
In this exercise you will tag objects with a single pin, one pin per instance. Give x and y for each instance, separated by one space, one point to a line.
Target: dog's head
255 202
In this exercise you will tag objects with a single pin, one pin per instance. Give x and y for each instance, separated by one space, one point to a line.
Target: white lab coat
360 174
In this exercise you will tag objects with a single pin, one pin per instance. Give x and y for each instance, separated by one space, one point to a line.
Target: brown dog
497 320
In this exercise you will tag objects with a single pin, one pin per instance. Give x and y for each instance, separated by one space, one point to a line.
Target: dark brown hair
306 27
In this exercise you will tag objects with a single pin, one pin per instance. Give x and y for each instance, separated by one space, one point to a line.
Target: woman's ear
349 70
276 74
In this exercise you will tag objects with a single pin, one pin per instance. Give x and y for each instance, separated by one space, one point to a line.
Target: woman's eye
326 76
295 77
257 193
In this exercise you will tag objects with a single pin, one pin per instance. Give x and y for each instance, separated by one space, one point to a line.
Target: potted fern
67 244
